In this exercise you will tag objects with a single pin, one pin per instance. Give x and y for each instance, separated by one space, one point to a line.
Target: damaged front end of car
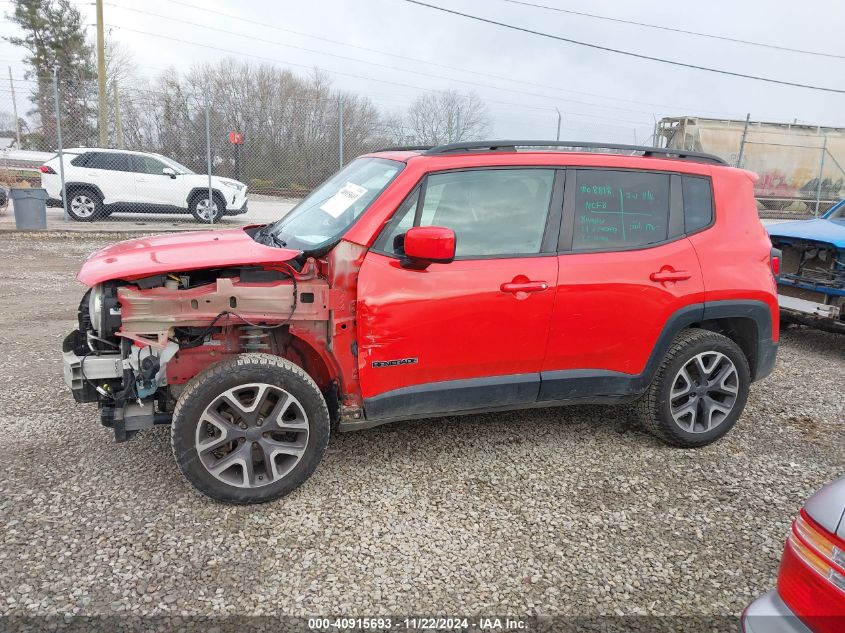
811 285
139 341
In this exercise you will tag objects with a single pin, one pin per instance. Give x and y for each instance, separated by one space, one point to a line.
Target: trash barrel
30 208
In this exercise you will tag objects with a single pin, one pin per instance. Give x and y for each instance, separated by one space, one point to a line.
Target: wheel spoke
721 382
276 421
686 386
712 409
213 443
686 415
240 456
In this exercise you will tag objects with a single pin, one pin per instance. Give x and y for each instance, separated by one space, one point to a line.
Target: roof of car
514 146
108 150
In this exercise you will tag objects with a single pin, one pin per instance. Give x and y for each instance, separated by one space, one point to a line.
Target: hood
819 230
193 250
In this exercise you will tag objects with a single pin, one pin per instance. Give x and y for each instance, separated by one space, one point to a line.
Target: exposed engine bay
139 342
811 286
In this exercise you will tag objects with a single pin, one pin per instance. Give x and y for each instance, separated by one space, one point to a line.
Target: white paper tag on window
343 199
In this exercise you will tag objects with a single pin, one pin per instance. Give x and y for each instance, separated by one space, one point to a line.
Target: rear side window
620 209
698 203
109 160
81 160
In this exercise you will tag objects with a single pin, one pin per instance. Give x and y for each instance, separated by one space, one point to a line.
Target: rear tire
698 392
250 429
85 205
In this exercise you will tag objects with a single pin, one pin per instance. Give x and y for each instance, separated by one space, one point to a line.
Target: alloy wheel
704 392
252 435
205 211
83 206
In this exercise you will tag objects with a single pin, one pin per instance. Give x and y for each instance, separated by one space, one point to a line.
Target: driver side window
494 212
148 165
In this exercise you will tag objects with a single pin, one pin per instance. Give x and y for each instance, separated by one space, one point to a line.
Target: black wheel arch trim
571 386
84 185
203 191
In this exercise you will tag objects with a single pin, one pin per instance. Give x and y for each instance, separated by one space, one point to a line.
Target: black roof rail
510 146
405 148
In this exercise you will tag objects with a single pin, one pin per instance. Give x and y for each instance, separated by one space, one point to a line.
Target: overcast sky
601 95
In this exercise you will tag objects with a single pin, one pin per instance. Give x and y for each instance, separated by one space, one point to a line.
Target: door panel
611 307
454 322
112 173
155 187
472 333
613 301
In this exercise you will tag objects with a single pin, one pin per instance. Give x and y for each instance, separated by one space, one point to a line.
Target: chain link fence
800 167
199 156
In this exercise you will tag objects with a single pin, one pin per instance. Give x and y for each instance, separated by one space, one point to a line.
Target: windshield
331 208
172 163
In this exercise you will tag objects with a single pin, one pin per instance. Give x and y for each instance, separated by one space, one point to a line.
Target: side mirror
424 245
169 171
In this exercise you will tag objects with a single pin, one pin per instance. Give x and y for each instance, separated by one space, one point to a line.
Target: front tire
250 429
699 391
201 211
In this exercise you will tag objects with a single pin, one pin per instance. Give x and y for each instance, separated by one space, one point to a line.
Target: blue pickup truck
811 288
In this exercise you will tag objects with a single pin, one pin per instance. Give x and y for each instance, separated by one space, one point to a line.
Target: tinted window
109 160
698 203
147 165
620 209
493 212
81 160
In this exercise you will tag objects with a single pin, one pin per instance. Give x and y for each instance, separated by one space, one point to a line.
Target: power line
379 65
675 30
623 52
335 72
416 59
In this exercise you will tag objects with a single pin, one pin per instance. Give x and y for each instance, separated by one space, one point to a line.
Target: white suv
102 181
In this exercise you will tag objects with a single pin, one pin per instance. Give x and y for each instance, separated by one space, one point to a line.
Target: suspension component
254 339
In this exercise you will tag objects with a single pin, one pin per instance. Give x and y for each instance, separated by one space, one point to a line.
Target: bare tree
446 116
7 123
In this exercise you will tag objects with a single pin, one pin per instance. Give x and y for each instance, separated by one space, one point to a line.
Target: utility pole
59 138
102 96
742 142
118 124
15 110
821 175
558 122
211 212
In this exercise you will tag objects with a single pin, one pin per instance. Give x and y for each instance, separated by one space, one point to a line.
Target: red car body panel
609 312
480 329
734 253
145 256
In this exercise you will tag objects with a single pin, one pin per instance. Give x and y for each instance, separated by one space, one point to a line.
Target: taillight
774 262
812 576
46 169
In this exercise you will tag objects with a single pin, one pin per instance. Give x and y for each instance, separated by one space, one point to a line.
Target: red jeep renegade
421 282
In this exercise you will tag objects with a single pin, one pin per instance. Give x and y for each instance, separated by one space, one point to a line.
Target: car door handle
667 274
524 286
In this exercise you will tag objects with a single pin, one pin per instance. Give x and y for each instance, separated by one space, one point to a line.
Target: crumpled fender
177 252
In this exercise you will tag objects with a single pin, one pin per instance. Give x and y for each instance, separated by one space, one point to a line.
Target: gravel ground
558 512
